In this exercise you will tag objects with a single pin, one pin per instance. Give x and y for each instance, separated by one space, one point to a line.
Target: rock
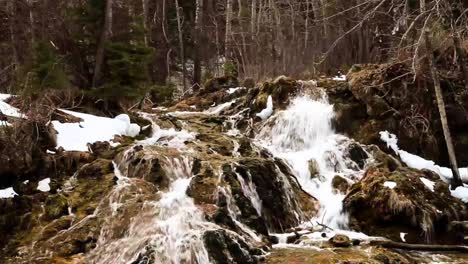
340 184
395 102
340 241
358 155
249 83
282 89
344 255
224 248
313 168
220 83
55 206
409 207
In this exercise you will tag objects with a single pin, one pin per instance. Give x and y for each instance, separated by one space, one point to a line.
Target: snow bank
7 109
419 163
7 193
265 113
76 136
44 185
461 193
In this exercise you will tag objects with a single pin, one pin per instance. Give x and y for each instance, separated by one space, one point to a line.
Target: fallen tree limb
421 247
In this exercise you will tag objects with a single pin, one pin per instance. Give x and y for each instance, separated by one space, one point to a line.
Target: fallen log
420 247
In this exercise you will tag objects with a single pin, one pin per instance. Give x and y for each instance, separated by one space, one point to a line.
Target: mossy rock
410 207
340 184
281 90
55 206
220 83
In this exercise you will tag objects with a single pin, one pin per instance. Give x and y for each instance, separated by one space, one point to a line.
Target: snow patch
429 184
390 184
7 193
44 185
7 109
419 163
265 113
340 77
76 136
461 193
233 90
402 236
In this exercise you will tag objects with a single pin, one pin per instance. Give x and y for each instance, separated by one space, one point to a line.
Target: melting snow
461 193
265 113
419 163
7 193
219 108
402 236
390 184
233 90
43 185
7 109
340 77
76 136
429 184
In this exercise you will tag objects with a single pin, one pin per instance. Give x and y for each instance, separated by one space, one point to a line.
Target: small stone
340 241
340 184
313 168
356 242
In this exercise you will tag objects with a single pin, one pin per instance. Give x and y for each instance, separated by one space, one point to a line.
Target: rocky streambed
209 181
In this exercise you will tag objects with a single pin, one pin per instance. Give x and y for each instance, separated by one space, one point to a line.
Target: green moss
55 206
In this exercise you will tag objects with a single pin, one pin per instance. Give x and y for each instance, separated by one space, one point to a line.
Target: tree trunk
144 4
456 179
102 43
253 18
181 43
461 56
197 38
227 40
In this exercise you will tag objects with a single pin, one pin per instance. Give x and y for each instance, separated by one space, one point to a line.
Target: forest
233 131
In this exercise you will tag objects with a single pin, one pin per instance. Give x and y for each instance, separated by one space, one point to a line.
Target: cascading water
303 136
164 230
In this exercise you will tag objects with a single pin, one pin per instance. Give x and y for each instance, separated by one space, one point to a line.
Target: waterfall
303 136
164 230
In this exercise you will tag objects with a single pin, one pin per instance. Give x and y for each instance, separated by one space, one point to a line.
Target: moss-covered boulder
389 201
282 89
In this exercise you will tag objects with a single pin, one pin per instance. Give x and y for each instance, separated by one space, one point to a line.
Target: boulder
340 184
390 201
223 247
340 240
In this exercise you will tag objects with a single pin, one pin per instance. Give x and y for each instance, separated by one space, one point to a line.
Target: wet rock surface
407 205
240 191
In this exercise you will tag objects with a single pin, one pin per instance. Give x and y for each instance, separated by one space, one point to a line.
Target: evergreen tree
125 73
47 69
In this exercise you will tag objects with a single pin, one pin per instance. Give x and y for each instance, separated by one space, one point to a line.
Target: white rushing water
303 136
165 230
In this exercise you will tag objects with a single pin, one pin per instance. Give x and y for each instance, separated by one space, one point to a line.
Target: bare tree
227 40
181 43
105 33
456 180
